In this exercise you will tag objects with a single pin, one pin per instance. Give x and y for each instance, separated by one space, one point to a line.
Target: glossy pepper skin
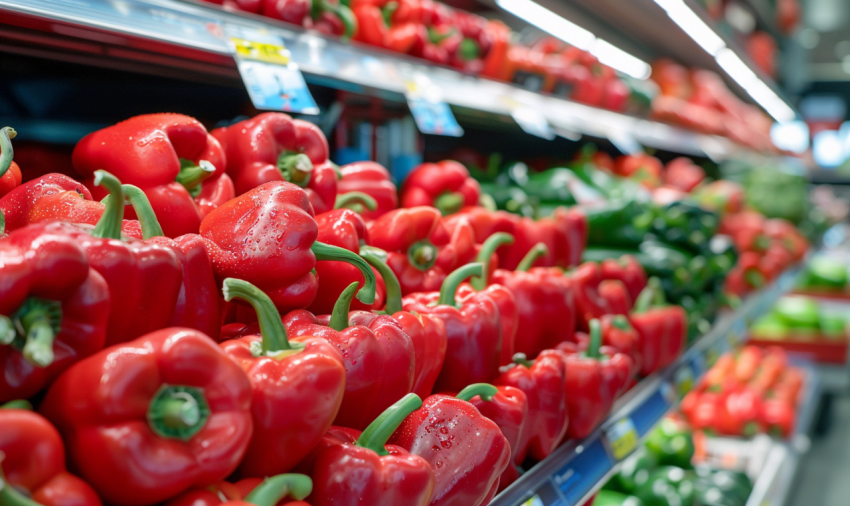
34 462
168 156
589 302
384 24
367 473
250 491
628 270
545 304
297 386
473 452
148 419
268 238
446 185
274 147
10 173
662 329
473 330
53 308
543 381
378 357
619 334
616 295
372 179
420 250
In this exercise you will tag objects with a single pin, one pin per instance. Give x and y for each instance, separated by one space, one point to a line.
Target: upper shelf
186 40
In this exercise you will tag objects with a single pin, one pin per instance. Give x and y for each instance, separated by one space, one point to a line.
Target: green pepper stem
272 333
144 211
341 11
453 281
2 223
422 255
595 339
7 153
521 359
295 167
17 404
11 497
487 249
646 298
323 251
754 278
377 259
488 202
109 224
339 315
537 251
178 412
355 201
485 390
621 322
449 203
38 347
275 488
378 432
191 176
7 330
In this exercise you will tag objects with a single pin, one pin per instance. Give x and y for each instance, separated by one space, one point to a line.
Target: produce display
824 275
799 317
227 316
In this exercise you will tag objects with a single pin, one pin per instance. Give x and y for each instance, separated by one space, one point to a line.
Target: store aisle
823 478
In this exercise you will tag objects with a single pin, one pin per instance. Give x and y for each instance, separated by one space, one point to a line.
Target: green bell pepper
720 487
671 444
668 486
686 224
634 471
825 273
611 498
769 326
833 326
800 313
618 223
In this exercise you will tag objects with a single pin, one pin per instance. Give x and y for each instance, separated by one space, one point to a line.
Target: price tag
622 438
432 115
533 122
684 380
534 501
272 79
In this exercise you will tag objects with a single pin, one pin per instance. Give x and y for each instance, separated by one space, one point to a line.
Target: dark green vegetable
611 498
634 471
668 486
671 444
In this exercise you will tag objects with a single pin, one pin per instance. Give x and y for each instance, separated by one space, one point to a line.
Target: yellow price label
262 51
684 380
623 438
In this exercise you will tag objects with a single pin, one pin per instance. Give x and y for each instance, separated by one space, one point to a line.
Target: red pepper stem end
17 404
38 321
355 201
295 167
595 339
621 322
275 488
2 223
7 330
521 359
422 255
469 49
9 496
144 212
485 390
273 334
378 432
647 297
754 278
536 251
178 411
377 258
449 203
388 10
487 249
323 251
339 315
109 224
191 176
453 281
6 151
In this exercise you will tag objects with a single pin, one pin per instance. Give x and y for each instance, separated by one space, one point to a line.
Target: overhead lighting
692 25
577 36
792 136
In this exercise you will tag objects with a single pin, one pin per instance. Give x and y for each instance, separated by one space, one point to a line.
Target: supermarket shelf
185 39
576 470
766 18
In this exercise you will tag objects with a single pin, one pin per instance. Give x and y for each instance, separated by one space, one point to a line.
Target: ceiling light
618 59
692 25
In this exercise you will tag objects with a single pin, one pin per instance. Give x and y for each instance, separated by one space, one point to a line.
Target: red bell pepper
371 471
747 275
10 173
274 147
662 329
484 223
56 197
474 44
250 491
501 295
215 193
628 270
494 63
148 419
724 196
268 238
595 378
706 410
589 302
427 333
527 233
420 250
290 11
168 156
771 367
683 174
471 452
741 414
574 229
733 223
777 417
388 24
507 408
542 380
378 357
446 185
545 304
34 463
747 362
616 295
619 334
372 179
643 168
53 308
473 330
298 386
785 233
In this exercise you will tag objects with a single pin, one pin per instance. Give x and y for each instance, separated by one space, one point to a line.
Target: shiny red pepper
446 185
747 275
372 179
268 238
149 419
528 233
484 223
274 147
643 168
370 471
628 270
616 295
574 227
494 63
53 308
168 156
387 24
472 452
473 330
741 414
682 173
619 334
34 462
545 304
542 380
589 302
378 357
777 417
785 233
298 386
662 329
250 491
10 173
420 250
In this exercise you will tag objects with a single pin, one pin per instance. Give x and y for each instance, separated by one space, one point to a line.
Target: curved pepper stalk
377 258
487 249
378 432
273 342
275 488
448 291
297 168
6 151
485 390
192 176
324 251
536 251
356 201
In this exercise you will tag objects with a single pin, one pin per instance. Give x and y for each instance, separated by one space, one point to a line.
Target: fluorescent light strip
692 25
577 36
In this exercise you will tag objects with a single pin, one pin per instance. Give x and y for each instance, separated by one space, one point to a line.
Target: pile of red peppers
231 305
